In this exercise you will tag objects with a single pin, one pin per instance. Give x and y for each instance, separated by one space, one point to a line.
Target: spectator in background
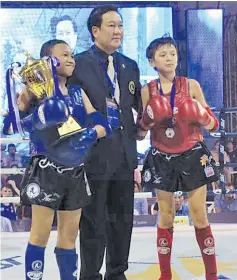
181 208
140 204
226 202
232 153
7 209
215 154
12 158
24 212
155 209
6 225
137 176
15 190
3 154
64 28
15 181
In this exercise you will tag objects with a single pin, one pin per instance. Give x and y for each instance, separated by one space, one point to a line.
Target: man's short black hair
95 17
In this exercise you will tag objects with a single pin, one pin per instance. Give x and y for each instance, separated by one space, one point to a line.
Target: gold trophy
37 75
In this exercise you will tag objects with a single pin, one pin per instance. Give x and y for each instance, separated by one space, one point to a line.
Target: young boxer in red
175 110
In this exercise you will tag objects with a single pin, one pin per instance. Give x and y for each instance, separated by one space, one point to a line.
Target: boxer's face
67 63
165 59
109 35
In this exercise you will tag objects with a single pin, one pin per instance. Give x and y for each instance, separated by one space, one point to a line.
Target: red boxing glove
192 111
216 123
156 110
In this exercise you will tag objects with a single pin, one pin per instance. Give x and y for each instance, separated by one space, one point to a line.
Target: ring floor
186 257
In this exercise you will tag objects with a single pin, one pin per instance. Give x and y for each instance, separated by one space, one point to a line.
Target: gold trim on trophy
37 76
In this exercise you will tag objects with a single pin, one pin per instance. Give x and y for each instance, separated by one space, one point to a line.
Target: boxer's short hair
158 42
46 49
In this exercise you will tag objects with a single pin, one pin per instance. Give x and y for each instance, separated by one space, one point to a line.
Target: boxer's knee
166 218
42 219
199 217
40 238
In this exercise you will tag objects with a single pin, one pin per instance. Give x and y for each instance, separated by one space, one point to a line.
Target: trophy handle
14 114
54 62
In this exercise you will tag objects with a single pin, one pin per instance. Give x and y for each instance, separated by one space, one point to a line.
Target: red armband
216 123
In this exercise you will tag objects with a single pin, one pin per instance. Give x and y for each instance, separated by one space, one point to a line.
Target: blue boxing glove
72 151
50 112
84 140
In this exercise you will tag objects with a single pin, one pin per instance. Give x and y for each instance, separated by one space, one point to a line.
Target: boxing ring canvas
186 257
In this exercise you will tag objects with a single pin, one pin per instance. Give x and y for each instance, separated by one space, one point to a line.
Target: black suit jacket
90 75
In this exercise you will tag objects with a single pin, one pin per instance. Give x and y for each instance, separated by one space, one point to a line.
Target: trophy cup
39 77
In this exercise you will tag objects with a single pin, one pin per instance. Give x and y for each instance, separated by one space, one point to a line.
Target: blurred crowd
13 159
10 186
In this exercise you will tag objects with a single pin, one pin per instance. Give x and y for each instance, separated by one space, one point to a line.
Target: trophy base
65 136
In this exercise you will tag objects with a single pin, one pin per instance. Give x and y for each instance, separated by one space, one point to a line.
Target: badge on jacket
131 87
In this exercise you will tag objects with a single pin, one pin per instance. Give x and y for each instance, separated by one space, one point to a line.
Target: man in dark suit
113 87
